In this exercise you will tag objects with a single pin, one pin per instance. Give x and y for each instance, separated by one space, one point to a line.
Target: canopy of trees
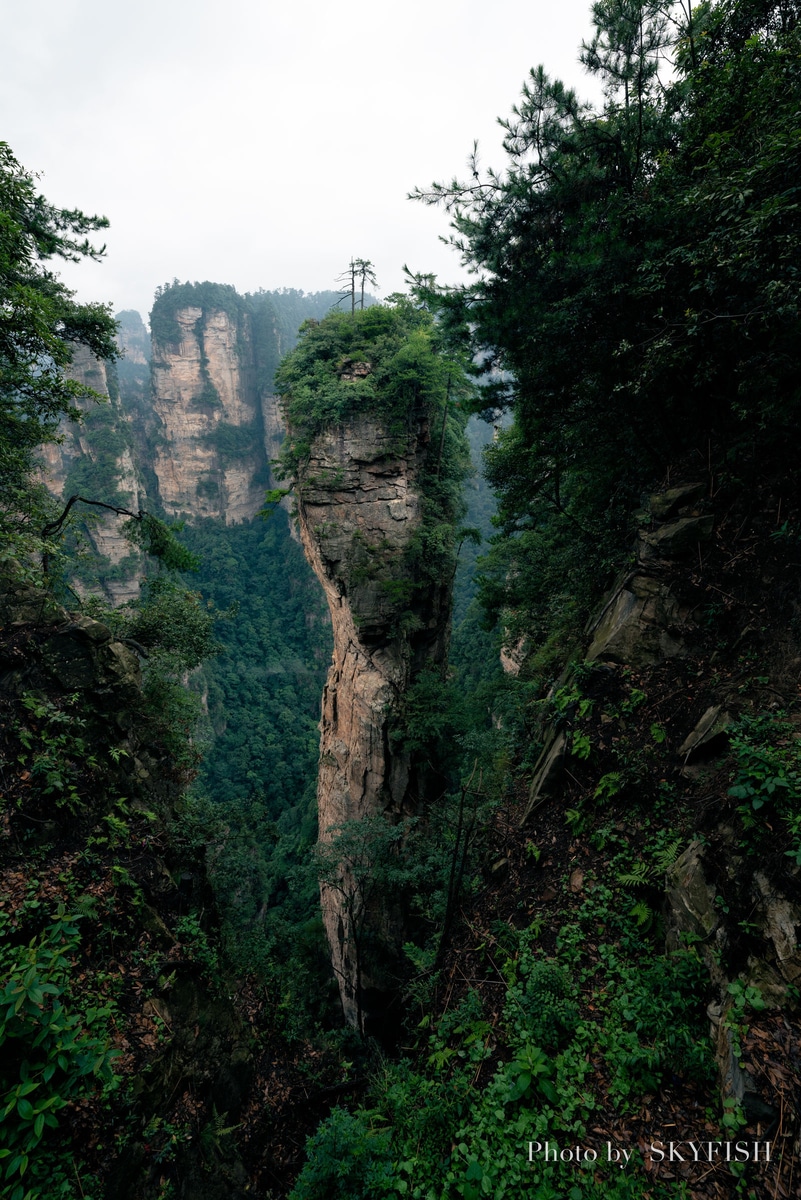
636 278
40 326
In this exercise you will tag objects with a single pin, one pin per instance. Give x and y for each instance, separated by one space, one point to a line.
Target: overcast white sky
264 144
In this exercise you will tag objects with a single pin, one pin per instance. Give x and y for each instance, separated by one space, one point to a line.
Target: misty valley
399 699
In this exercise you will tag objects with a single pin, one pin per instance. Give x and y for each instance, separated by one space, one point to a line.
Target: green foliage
171 297
607 993
768 761
55 1050
172 623
97 475
57 751
767 755
654 1023
40 326
172 628
544 1007
233 442
199 948
253 812
157 538
264 688
381 359
634 286
744 999
346 1158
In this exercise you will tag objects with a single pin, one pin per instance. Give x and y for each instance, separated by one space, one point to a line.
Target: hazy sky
264 144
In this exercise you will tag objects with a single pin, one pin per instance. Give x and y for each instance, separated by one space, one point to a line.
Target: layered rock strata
209 454
360 509
95 459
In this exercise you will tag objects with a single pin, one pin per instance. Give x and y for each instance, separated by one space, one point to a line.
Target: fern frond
639 875
665 858
642 913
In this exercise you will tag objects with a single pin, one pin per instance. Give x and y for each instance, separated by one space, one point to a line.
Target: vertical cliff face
193 419
96 460
58 457
360 508
209 456
133 338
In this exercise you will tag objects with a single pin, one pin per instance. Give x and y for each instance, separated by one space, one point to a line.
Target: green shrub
346 1160
55 1050
546 1005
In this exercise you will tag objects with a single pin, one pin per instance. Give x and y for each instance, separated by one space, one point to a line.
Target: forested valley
401 742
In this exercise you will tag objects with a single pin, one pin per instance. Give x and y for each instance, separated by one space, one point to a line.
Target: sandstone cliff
360 509
209 455
96 459
133 338
192 424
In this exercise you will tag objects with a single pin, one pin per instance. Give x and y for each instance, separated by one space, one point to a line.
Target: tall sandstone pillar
360 508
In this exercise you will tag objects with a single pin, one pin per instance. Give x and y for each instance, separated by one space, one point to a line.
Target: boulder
639 626
691 900
781 919
677 538
547 773
708 735
665 505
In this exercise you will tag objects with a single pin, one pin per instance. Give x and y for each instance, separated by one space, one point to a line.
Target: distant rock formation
209 459
97 459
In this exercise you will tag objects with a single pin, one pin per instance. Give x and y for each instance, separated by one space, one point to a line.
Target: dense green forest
601 898
634 288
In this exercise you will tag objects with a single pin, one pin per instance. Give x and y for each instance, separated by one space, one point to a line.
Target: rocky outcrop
133 338
209 457
92 799
360 508
219 429
95 459
192 416
273 428
641 621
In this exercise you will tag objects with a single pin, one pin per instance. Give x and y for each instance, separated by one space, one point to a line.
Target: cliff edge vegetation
377 455
616 1011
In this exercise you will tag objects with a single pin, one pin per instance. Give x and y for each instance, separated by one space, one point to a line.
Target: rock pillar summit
377 478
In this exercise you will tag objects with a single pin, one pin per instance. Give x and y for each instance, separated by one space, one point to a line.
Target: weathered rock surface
708 734
133 338
781 919
209 454
690 899
677 538
664 505
642 621
638 626
103 529
359 506
547 772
